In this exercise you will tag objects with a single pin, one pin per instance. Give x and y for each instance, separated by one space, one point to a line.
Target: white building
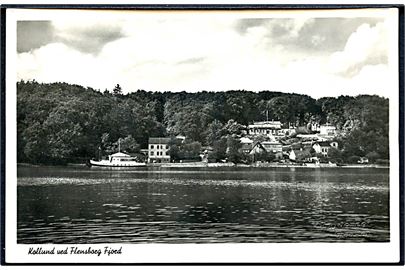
265 128
247 145
324 147
245 140
292 155
327 130
158 150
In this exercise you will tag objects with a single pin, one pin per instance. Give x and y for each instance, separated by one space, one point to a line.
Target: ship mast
119 145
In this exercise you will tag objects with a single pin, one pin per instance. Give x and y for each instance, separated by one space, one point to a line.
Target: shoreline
224 165
265 165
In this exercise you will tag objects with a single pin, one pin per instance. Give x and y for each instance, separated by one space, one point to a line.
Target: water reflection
65 205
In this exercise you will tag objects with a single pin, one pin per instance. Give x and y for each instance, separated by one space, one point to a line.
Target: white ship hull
116 164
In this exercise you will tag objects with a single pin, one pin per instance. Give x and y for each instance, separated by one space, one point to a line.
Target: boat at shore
118 160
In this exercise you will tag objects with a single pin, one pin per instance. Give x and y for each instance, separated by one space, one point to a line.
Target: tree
264 156
353 159
372 156
128 144
174 149
105 141
233 128
191 150
36 143
353 145
335 155
60 121
238 106
187 150
117 90
232 151
66 125
214 132
219 149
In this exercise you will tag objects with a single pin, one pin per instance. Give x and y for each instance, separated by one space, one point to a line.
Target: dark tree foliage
117 90
188 150
219 150
232 151
367 118
60 122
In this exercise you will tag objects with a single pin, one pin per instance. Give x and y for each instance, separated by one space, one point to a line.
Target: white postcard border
182 253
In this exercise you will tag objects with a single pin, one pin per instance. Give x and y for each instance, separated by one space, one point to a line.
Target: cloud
306 35
82 35
308 56
193 60
87 36
366 46
57 62
243 25
33 34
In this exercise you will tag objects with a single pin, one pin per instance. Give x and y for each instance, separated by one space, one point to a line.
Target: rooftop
266 124
245 140
328 125
272 143
119 154
323 143
246 147
159 140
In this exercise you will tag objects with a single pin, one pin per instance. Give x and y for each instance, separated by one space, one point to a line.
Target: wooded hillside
60 122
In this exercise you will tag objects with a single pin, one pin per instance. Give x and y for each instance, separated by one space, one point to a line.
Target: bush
336 160
383 161
373 156
353 159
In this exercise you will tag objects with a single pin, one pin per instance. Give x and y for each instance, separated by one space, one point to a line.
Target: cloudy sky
317 56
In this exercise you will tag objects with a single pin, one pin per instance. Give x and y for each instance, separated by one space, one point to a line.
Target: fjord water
218 205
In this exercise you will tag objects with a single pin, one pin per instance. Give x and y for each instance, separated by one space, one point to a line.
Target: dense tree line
60 122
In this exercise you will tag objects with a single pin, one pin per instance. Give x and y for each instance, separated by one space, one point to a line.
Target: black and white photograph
203 131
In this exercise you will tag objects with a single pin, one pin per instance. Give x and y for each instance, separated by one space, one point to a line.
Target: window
152 153
151 146
167 146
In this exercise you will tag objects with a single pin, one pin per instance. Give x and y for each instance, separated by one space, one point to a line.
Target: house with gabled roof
324 147
257 149
272 146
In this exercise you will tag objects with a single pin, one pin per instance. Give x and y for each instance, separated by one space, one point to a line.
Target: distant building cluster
283 143
276 141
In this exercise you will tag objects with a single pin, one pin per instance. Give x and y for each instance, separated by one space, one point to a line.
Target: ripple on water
309 186
201 208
